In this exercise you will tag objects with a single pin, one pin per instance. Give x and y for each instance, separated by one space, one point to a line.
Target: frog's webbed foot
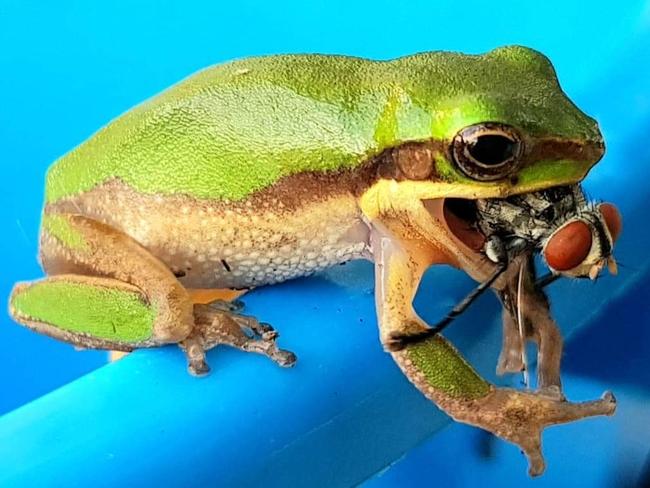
520 417
218 325
438 371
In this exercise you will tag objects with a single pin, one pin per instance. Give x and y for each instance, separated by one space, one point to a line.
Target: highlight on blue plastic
345 411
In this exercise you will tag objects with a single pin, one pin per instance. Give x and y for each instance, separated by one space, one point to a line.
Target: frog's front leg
107 291
397 275
439 371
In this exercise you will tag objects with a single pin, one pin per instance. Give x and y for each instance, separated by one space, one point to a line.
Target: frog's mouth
463 243
461 218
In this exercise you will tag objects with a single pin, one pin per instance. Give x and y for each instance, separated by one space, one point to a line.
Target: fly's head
575 236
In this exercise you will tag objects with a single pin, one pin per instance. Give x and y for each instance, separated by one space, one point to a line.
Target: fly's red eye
612 218
569 246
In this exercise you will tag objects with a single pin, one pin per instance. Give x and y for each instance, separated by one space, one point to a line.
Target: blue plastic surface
144 418
345 411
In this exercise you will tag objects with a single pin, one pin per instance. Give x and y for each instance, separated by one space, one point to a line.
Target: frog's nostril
612 218
569 246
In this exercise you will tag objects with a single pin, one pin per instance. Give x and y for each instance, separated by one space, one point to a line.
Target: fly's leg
546 334
511 356
214 327
538 326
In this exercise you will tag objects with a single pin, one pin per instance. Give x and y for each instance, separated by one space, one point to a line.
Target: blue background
66 68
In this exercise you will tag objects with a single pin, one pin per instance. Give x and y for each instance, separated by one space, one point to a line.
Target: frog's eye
487 151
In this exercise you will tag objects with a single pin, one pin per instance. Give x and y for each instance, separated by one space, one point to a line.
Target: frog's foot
215 327
438 371
195 352
520 417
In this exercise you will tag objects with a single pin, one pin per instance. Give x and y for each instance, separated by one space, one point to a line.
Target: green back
236 128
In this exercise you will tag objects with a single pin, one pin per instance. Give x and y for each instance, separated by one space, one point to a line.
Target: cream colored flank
230 245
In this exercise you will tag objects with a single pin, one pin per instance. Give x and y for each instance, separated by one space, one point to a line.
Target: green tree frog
264 169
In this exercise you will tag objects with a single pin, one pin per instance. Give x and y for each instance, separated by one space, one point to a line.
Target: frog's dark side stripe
417 162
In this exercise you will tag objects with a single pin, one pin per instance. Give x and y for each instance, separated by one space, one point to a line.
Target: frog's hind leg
218 324
221 299
77 245
105 290
89 312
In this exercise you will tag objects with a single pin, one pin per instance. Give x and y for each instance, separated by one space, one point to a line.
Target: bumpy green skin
233 129
445 370
104 313
59 227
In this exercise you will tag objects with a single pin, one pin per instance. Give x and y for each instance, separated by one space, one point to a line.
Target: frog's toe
265 331
268 347
284 358
198 368
217 327
233 306
256 329
195 354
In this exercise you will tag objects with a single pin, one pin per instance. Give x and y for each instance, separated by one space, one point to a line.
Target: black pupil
492 149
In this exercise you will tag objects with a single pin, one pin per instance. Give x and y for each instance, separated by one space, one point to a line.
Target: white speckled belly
218 245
